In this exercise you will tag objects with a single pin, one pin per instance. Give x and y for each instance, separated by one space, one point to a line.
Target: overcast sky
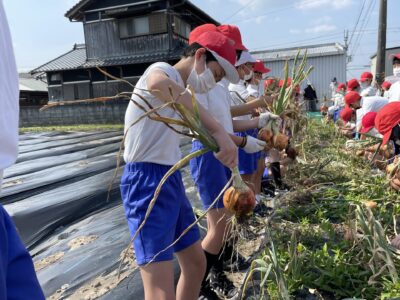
41 32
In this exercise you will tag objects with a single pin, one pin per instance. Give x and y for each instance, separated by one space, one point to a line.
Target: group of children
367 111
229 88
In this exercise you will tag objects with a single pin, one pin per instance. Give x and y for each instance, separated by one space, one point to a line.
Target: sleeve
17 275
9 96
394 92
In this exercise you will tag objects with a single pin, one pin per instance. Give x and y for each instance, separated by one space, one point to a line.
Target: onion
280 141
239 199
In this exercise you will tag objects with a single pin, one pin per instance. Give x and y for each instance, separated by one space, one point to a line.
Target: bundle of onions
273 137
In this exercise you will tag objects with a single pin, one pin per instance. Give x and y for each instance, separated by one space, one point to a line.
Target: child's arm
160 86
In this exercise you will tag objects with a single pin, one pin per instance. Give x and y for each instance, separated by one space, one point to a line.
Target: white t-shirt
255 90
9 96
239 93
368 92
369 104
394 92
218 102
148 140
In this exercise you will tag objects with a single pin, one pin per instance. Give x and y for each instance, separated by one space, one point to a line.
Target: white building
329 61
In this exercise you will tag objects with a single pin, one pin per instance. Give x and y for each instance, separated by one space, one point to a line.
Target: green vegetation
324 241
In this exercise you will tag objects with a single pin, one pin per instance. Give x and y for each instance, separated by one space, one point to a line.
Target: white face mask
364 85
396 72
248 77
201 83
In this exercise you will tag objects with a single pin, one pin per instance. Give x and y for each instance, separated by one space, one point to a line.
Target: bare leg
258 175
217 221
158 281
193 266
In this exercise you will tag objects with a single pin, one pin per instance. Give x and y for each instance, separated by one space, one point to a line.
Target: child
17 275
151 149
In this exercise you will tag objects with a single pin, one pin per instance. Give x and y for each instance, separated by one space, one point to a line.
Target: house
329 61
388 61
32 92
123 37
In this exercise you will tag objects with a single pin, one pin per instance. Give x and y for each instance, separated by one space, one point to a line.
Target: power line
365 22
358 20
239 10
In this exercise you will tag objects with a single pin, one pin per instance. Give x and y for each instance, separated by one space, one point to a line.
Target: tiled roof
76 59
71 60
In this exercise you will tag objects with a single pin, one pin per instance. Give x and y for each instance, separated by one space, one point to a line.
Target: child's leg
158 281
217 225
193 266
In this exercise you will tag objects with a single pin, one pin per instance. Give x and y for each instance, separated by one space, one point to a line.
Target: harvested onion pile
393 173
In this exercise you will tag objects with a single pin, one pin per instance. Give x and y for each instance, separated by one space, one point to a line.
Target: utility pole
381 52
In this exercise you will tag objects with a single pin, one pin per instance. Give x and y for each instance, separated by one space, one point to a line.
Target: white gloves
265 117
253 145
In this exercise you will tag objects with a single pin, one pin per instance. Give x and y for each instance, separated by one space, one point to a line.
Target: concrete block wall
111 112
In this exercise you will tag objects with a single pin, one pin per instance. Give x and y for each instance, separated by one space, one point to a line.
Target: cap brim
386 137
230 71
245 57
366 129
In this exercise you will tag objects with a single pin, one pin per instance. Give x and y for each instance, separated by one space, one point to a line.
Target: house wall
111 112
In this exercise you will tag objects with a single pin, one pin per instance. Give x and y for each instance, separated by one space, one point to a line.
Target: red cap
351 97
395 55
352 84
199 30
222 49
386 85
346 113
232 32
340 86
387 118
365 76
260 68
268 82
288 82
368 122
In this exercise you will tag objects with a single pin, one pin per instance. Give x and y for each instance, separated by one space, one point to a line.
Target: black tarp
68 135
67 149
39 164
62 142
37 216
21 187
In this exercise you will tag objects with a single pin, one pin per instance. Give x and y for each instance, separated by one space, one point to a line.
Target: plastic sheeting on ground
20 187
33 139
67 149
37 216
39 164
62 142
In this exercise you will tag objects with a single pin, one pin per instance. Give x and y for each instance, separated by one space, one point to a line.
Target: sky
41 32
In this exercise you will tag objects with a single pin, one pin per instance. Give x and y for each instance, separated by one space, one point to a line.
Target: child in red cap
367 90
394 91
387 122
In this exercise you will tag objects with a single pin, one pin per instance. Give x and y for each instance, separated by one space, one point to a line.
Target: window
151 24
76 91
134 27
181 27
54 78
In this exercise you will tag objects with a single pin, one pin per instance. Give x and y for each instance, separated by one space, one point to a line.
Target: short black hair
396 60
190 51
238 54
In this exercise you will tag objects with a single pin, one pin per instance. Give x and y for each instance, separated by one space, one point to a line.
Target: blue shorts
17 275
336 115
247 161
209 175
170 216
